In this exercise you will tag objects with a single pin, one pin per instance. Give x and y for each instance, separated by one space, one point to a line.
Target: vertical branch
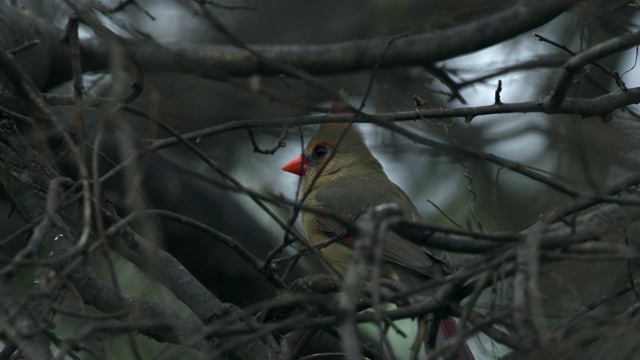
528 313
78 87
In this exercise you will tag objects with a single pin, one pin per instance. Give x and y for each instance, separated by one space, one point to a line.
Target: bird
340 175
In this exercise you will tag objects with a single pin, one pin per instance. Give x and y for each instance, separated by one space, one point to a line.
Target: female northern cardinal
340 175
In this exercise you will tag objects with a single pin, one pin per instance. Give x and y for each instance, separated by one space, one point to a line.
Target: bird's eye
320 151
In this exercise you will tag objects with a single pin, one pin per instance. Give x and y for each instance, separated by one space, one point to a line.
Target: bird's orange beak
298 166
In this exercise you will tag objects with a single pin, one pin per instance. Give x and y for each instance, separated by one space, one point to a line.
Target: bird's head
332 147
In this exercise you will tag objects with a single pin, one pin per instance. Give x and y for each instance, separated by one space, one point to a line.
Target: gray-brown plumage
342 177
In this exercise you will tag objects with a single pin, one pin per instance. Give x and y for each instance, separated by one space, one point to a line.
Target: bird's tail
448 330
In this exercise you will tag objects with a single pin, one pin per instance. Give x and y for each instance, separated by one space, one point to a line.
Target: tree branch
343 57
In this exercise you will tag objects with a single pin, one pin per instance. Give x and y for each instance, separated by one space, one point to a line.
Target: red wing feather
348 239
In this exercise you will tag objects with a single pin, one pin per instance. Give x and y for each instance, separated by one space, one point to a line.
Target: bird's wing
433 263
429 262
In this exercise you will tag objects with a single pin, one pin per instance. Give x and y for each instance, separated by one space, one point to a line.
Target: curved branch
342 57
586 57
572 106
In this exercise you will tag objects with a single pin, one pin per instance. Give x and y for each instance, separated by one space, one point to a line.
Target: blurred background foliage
585 153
